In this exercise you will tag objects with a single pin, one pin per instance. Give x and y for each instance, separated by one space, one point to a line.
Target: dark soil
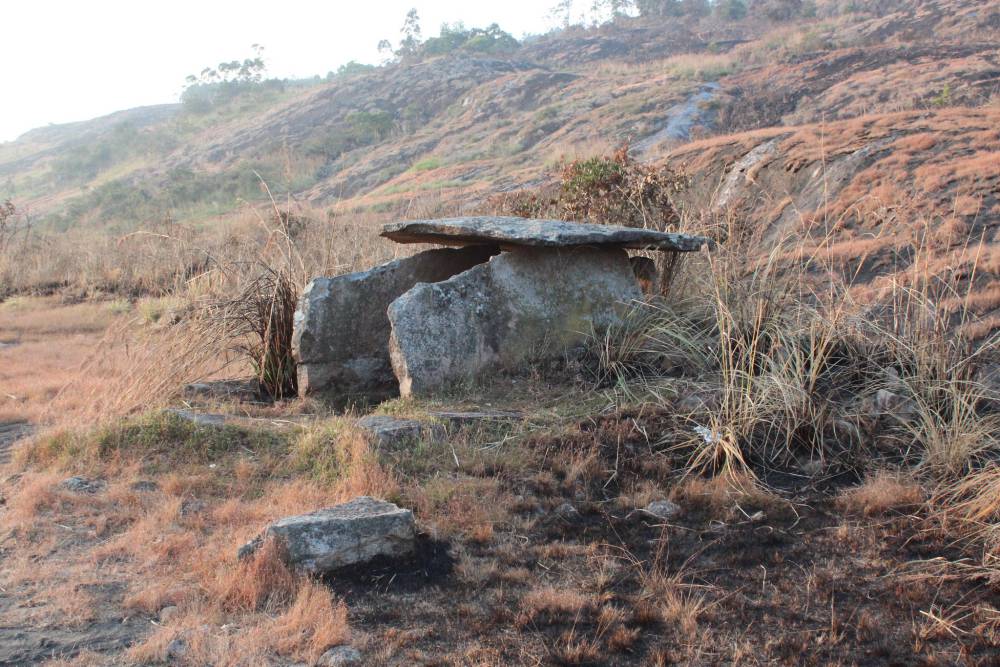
805 588
789 578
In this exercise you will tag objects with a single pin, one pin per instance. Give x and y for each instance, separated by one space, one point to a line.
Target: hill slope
837 116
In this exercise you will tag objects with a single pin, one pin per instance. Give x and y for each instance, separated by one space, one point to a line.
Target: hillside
463 124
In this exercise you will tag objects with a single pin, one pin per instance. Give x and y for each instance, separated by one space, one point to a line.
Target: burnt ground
789 576
807 588
27 640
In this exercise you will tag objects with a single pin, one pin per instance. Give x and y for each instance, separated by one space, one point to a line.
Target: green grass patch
160 440
427 164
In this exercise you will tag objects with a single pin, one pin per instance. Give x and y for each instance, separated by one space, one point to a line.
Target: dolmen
506 292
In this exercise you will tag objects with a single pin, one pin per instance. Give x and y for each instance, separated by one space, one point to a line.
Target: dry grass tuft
312 624
548 605
263 582
882 493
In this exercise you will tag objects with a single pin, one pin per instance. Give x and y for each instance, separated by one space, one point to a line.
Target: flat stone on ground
198 418
391 432
331 538
529 304
510 232
471 417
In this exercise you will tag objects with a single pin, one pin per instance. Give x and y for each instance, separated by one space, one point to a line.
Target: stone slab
511 232
341 332
353 532
393 432
532 303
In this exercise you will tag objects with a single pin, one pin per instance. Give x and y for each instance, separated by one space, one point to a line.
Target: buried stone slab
341 333
522 305
392 432
331 538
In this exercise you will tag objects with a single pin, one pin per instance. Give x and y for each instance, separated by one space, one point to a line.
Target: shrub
613 189
731 10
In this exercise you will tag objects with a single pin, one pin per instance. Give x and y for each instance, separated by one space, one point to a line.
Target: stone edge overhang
453 233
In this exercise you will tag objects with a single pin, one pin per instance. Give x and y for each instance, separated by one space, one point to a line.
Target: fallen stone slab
392 432
198 418
341 331
241 390
511 232
473 417
522 305
331 538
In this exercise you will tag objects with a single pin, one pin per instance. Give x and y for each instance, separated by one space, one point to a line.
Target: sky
70 60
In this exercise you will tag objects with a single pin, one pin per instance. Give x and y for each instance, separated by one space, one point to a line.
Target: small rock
168 613
353 532
250 548
191 507
894 405
340 656
812 467
176 649
662 509
700 402
565 511
78 484
391 432
145 486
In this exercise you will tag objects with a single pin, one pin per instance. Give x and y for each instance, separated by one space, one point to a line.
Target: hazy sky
71 60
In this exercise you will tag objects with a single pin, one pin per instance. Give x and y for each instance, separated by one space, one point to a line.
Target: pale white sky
67 60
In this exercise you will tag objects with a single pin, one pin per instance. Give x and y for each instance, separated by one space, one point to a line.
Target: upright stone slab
525 304
341 333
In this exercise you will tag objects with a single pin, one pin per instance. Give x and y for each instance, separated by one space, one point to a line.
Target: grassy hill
466 123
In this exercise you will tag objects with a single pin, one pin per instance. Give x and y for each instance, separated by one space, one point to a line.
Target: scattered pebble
145 486
566 511
78 484
340 656
169 613
664 510
176 649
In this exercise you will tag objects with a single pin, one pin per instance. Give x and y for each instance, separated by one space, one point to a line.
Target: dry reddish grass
882 493
547 604
53 341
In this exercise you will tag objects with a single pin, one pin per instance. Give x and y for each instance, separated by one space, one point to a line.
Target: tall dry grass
803 371
210 302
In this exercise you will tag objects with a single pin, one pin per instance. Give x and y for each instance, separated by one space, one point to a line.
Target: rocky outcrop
341 339
510 232
526 304
354 532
